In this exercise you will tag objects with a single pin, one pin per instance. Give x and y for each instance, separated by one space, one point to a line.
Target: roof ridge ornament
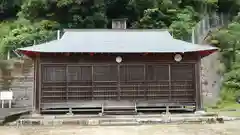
178 57
119 23
118 59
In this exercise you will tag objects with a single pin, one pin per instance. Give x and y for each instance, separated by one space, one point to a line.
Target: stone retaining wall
211 79
137 120
21 83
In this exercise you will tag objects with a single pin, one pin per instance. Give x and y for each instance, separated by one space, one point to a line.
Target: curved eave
111 41
202 53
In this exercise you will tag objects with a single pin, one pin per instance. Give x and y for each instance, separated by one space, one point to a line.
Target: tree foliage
24 22
22 33
227 39
28 22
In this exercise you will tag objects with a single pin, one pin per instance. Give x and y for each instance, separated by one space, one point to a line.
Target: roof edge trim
110 30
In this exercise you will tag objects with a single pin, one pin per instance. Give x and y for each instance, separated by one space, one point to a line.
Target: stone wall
21 83
211 79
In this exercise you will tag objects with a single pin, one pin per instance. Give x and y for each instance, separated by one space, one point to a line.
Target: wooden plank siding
81 77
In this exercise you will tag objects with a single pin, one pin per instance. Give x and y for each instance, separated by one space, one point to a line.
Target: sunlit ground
230 109
228 128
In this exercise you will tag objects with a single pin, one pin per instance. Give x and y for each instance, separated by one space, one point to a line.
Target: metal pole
208 22
58 34
222 19
171 33
10 103
2 103
193 36
203 26
8 55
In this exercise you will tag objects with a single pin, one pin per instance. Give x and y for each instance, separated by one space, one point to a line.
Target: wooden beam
92 82
170 82
39 76
67 79
34 97
118 82
198 96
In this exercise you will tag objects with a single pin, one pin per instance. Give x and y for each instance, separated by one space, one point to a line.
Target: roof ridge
110 30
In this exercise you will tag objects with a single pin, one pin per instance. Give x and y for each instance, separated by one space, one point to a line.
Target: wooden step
118 123
130 112
119 107
119 110
73 110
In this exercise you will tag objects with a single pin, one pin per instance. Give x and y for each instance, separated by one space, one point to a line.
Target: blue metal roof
117 41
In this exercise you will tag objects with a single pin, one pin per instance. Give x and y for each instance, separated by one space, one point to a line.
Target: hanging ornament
178 57
145 54
67 54
37 53
118 59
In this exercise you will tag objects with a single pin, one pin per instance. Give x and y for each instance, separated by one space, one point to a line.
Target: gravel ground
228 128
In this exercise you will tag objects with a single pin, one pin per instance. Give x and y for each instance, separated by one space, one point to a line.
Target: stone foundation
121 120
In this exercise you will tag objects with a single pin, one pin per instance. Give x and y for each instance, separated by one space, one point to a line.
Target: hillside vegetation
25 22
227 39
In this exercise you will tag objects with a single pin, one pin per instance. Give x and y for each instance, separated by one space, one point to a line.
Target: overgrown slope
227 39
25 22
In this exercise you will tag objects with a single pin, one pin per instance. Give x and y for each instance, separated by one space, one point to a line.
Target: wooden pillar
35 98
34 87
118 81
199 103
170 82
67 80
39 80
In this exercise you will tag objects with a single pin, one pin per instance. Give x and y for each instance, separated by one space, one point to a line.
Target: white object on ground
6 96
200 112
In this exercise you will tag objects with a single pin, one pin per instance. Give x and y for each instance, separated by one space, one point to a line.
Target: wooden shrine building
116 70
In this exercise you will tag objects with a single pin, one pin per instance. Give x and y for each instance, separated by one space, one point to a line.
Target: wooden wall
56 60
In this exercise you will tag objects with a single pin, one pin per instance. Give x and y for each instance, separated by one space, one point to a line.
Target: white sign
118 59
6 95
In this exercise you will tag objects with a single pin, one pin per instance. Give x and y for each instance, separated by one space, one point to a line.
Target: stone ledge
117 121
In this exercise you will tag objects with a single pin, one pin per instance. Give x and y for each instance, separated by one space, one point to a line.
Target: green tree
185 20
229 6
228 40
152 19
69 13
9 8
30 21
24 33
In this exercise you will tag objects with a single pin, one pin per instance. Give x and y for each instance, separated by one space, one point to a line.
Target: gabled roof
117 41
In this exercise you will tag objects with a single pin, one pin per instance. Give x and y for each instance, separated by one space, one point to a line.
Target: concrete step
114 120
125 112
119 123
119 109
